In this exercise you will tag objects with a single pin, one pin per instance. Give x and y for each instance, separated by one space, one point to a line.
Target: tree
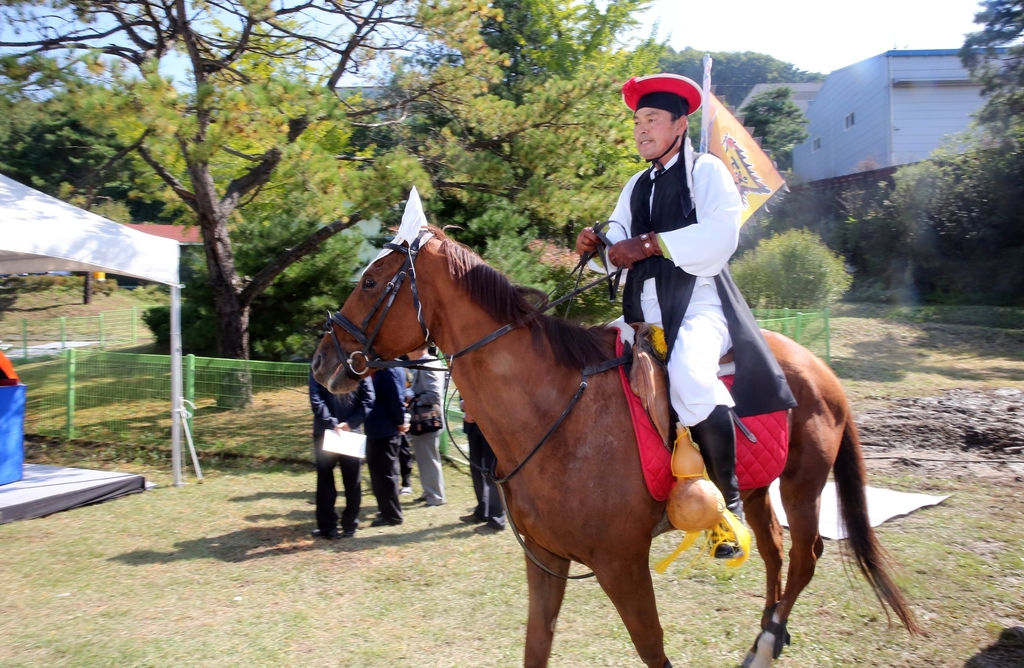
519 166
287 315
734 73
949 229
995 57
778 121
49 146
257 114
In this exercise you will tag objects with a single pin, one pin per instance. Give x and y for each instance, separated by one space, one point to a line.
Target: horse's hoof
728 551
761 656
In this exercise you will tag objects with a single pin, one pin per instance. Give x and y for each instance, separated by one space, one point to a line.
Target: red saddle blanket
757 464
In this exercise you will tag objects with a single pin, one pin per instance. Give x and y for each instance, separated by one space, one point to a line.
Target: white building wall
924 116
905 104
942 66
860 89
933 97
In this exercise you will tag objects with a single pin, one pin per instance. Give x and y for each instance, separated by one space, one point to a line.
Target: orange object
686 459
7 369
695 504
753 171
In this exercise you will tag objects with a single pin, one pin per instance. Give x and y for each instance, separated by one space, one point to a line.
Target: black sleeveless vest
760 385
672 209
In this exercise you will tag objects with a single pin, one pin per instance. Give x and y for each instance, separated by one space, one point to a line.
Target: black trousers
405 462
382 462
488 504
327 492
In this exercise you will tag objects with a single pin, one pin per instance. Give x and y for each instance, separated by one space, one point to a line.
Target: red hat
637 87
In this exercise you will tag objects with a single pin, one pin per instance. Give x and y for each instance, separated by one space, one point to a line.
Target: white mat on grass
883 505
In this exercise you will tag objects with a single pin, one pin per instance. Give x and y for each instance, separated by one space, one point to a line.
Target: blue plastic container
12 433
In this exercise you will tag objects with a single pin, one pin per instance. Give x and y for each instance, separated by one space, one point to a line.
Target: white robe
703 250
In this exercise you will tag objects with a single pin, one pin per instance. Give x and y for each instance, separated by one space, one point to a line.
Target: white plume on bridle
414 223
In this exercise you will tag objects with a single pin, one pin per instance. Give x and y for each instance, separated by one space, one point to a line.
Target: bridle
371 359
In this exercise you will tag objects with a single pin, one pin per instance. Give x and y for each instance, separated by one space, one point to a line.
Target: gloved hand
625 253
586 241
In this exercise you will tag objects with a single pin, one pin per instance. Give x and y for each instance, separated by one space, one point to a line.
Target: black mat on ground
44 490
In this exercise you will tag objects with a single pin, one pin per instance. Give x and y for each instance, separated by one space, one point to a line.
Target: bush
58 283
791 270
947 230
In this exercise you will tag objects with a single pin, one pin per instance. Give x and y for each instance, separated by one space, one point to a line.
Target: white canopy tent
40 233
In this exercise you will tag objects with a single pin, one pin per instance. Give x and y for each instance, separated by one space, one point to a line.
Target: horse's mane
573 346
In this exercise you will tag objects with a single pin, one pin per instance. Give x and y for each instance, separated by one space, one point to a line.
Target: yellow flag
755 176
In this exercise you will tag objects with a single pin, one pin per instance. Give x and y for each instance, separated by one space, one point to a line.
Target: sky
814 35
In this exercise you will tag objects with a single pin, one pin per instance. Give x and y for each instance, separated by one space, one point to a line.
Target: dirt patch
984 424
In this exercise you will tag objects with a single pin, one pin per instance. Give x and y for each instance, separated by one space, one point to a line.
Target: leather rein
372 360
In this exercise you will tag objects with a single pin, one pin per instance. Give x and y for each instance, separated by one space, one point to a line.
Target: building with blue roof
889 110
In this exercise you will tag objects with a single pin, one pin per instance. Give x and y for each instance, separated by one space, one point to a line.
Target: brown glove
586 241
626 253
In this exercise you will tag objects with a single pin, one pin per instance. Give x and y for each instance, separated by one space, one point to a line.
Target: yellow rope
729 530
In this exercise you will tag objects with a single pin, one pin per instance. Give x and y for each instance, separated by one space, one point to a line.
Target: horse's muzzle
335 375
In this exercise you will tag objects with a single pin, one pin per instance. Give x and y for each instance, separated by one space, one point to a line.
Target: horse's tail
871 557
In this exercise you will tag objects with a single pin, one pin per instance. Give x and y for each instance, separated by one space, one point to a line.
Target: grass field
224 573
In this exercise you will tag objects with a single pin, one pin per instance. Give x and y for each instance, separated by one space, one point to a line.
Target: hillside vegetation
39 302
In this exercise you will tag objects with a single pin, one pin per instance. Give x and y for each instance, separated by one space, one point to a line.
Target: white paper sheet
883 505
346 443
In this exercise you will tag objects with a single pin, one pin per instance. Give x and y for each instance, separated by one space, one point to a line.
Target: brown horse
582 497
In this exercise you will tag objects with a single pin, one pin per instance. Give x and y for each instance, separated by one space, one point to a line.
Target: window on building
849 121
816 145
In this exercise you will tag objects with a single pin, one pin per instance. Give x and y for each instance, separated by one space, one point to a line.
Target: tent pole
176 387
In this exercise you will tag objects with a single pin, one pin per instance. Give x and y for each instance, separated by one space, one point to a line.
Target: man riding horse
523 376
674 228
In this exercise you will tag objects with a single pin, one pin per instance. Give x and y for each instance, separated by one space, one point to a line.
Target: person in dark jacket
344 413
384 429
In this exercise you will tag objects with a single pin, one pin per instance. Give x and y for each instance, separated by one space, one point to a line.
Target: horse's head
379 321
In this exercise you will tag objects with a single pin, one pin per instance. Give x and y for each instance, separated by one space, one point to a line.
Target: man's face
654 131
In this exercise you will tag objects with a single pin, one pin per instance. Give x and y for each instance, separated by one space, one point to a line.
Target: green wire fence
808 328
241 407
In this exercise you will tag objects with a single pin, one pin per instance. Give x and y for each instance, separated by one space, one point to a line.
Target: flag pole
708 113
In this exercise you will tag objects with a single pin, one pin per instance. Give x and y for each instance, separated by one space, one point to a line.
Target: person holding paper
337 413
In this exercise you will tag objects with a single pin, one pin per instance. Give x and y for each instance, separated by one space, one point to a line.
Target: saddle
762 441
648 377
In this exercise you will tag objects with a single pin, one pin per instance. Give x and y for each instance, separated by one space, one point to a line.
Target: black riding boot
716 437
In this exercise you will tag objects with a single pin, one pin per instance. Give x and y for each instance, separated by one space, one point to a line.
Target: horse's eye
368 283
